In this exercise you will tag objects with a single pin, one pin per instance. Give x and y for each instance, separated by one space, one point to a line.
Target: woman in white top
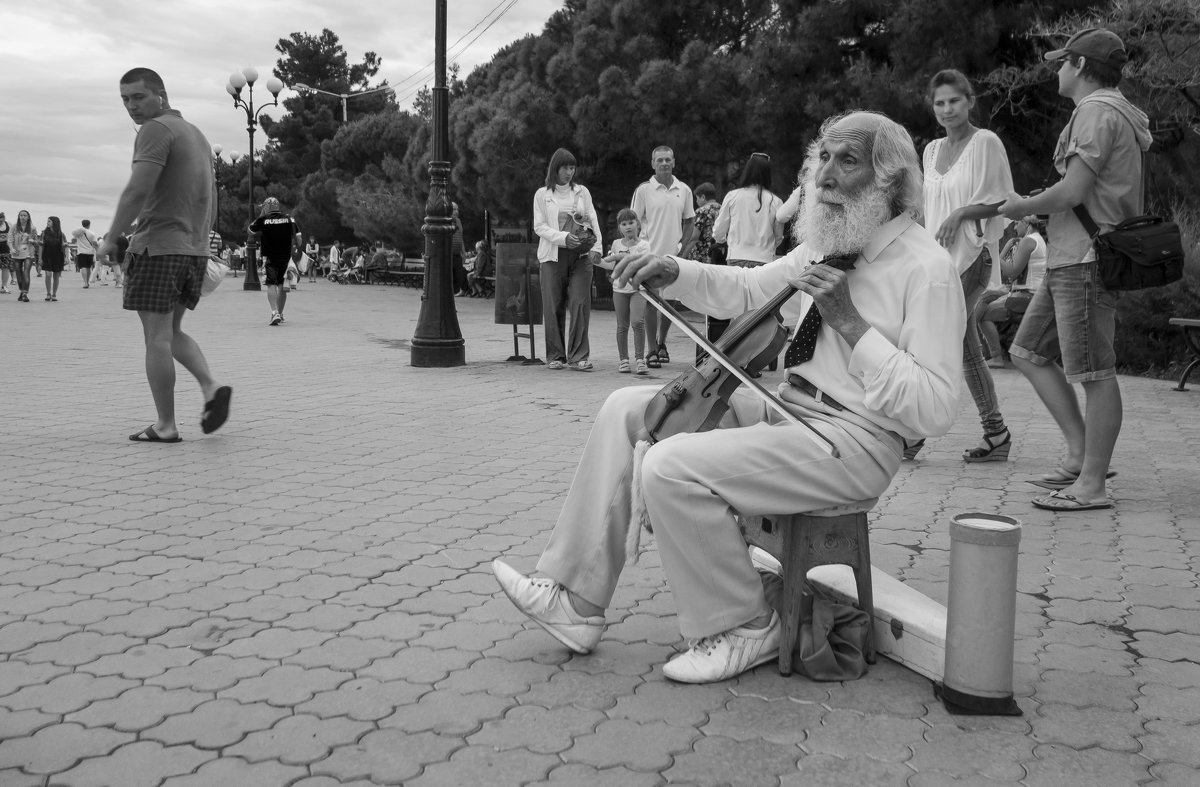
1023 263
565 221
966 178
747 220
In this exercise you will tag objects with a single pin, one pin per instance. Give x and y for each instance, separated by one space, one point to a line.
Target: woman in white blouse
565 221
966 178
748 218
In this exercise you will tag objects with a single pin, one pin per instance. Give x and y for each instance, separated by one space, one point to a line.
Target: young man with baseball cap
1072 317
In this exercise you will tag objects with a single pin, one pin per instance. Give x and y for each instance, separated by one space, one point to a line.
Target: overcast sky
66 138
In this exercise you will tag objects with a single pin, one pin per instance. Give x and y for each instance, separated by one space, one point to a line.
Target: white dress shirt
904 374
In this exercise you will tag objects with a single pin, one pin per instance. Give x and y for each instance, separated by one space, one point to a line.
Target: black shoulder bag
1142 252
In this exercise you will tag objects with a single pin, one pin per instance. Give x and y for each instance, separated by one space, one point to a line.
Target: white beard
841 228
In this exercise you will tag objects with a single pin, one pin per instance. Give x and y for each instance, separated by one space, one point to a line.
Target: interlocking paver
1166 739
363 699
138 708
55 748
387 756
341 590
447 713
537 729
140 764
22 635
641 747
21 723
298 740
1086 727
480 764
1062 766
236 772
15 675
67 693
286 685
994 755
212 673
677 704
780 721
215 724
718 761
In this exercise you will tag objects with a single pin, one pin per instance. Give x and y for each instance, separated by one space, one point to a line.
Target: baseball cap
270 205
1096 44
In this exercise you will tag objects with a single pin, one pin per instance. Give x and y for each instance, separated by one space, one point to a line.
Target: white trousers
755 464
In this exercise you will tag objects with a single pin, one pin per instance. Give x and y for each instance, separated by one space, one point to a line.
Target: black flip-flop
216 410
148 435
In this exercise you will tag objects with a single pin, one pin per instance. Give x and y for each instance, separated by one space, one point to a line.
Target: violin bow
762 393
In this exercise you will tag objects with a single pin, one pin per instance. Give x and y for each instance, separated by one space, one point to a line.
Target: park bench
1191 336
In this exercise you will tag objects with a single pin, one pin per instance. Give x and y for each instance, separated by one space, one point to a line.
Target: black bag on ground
1142 252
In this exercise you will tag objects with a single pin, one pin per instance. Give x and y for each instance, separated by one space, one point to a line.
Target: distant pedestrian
664 207
458 254
564 219
313 251
748 220
116 262
22 245
280 236
85 251
335 258
707 208
5 255
169 194
55 249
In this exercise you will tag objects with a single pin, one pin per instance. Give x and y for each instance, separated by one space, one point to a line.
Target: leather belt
800 384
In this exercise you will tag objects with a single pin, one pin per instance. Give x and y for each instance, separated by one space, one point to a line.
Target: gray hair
893 158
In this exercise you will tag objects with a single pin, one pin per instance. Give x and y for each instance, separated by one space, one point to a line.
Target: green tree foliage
362 171
294 149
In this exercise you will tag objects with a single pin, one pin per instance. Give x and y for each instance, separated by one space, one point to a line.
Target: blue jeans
1071 317
975 371
567 289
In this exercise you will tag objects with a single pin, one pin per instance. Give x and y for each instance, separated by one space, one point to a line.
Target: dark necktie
804 343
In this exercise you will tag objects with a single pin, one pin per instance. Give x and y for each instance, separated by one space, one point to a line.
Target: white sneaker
276 318
726 655
544 602
763 561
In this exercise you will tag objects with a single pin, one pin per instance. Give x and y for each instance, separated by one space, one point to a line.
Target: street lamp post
437 340
342 96
237 80
217 181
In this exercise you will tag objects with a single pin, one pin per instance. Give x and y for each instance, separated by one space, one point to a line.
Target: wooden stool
836 535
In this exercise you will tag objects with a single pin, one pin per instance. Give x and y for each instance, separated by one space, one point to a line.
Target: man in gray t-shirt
171 196
1072 317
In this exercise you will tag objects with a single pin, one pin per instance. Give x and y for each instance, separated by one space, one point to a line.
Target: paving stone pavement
304 598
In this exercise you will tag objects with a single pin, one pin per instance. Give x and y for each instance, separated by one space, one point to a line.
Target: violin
698 398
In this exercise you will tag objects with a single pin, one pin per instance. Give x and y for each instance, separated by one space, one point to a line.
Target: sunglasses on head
760 155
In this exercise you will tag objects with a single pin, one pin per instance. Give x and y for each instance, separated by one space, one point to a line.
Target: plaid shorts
160 283
6 263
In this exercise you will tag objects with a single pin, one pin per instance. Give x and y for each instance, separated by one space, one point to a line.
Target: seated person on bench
1022 266
477 284
884 363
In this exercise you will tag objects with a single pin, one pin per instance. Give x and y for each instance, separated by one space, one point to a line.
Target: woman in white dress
967 177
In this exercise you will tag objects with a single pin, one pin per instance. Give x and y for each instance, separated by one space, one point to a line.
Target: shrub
1146 344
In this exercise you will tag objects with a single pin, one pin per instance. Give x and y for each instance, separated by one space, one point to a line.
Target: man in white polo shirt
664 207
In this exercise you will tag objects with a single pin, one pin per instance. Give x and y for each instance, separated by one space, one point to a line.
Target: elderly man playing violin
886 365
